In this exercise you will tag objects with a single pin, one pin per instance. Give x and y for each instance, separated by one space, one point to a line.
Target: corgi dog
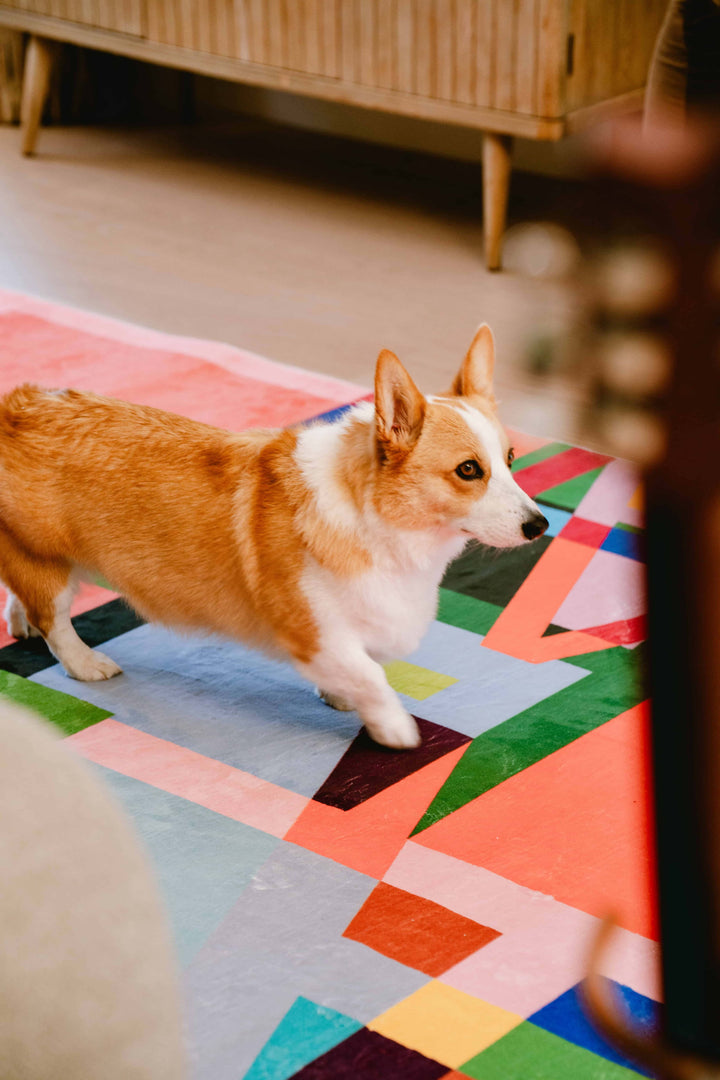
324 544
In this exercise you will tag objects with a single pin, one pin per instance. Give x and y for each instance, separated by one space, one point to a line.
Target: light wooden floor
307 249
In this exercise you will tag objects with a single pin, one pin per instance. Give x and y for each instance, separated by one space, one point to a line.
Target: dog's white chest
392 612
387 610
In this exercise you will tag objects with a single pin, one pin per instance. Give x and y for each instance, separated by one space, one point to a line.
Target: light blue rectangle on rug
557 519
491 688
235 705
221 700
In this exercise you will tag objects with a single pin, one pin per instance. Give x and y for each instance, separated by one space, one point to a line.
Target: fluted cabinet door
470 52
537 68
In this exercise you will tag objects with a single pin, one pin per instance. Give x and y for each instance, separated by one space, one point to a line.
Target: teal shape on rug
306 1031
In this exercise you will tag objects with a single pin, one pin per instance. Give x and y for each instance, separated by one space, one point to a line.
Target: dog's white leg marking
16 619
334 701
350 675
79 660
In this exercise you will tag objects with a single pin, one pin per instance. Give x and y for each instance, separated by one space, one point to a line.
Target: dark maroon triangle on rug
366 769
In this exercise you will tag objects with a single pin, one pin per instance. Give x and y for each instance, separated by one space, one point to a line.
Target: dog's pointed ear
476 373
399 405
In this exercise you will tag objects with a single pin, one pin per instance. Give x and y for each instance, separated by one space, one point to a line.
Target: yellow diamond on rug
445 1024
416 682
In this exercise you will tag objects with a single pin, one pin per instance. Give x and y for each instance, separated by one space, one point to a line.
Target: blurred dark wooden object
663 195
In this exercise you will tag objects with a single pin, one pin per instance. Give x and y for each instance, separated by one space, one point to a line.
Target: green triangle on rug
612 685
68 713
530 1051
569 494
541 454
466 612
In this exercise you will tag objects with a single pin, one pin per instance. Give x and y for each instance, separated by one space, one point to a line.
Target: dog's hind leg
42 590
16 619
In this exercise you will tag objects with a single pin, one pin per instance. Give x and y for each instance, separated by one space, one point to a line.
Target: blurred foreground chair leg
88 987
36 83
685 68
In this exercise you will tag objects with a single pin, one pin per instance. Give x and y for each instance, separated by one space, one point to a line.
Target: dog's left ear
399 405
475 375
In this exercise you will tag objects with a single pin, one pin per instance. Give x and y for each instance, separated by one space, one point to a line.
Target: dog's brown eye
469 470
511 456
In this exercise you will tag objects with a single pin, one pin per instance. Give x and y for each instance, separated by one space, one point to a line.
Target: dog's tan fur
68 462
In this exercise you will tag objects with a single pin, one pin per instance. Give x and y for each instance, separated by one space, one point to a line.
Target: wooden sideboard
532 68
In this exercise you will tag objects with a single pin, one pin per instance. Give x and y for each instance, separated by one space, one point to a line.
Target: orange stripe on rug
518 630
368 837
226 790
576 826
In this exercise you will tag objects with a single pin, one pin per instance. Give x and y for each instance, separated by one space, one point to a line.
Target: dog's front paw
399 733
92 667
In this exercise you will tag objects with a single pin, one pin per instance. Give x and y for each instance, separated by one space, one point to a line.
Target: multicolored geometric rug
343 911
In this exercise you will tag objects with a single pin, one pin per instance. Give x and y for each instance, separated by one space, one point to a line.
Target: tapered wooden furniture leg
36 82
497 153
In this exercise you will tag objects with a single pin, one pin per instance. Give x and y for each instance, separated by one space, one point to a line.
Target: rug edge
232 358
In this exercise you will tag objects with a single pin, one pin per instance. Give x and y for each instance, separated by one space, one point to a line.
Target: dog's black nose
534 526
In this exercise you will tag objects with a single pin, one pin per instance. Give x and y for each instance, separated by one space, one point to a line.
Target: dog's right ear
399 406
476 373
